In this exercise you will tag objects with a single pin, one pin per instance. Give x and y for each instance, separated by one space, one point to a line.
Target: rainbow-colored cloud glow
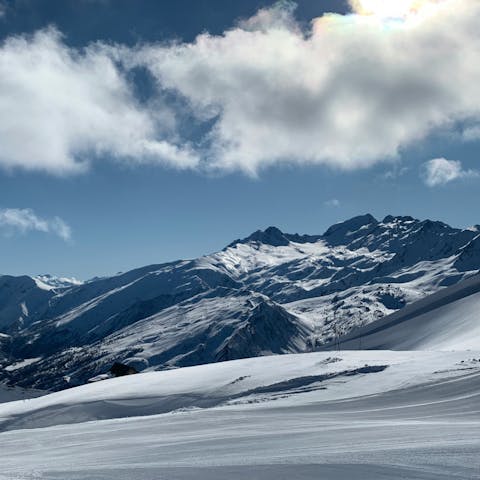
394 9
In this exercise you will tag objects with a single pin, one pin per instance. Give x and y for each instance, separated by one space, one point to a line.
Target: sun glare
394 9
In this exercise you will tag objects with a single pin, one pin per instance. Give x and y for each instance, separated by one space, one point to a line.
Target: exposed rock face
120 370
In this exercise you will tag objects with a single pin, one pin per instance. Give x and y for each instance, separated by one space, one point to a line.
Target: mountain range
269 293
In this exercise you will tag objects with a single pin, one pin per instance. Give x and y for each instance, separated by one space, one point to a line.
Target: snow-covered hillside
212 326
376 415
446 320
22 301
271 292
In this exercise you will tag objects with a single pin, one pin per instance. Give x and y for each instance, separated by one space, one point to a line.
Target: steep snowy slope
357 272
446 320
211 327
22 301
269 293
149 288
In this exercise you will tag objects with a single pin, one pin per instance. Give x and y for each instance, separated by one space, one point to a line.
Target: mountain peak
351 228
399 219
353 223
270 236
48 281
362 231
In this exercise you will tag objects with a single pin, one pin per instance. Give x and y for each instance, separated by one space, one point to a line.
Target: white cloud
334 202
15 220
441 171
60 107
279 15
353 91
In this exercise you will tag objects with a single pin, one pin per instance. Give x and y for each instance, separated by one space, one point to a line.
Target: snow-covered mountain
48 281
22 299
271 292
444 321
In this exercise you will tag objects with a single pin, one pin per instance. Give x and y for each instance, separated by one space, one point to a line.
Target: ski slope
371 414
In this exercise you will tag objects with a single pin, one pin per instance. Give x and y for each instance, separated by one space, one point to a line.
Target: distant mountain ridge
271 292
51 281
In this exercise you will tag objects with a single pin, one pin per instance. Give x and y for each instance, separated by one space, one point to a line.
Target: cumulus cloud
441 171
279 15
60 107
354 90
15 220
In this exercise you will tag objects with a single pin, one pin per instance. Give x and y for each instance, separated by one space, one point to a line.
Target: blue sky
116 205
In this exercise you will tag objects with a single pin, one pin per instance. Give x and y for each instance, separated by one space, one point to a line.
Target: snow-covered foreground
332 415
